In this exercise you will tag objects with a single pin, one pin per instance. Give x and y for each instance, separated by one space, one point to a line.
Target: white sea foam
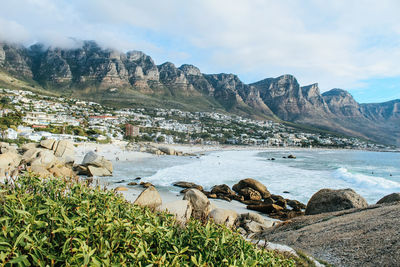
363 181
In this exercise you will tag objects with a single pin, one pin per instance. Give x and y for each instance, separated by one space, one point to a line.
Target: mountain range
108 76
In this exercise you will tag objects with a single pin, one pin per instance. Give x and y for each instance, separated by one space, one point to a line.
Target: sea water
371 174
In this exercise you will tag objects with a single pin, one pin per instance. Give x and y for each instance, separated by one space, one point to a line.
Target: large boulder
65 150
94 160
61 171
199 202
39 170
44 158
9 161
223 216
31 154
149 198
395 197
250 194
48 143
328 200
188 185
98 171
28 146
254 184
181 209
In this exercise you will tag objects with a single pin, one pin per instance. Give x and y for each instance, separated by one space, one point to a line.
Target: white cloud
336 43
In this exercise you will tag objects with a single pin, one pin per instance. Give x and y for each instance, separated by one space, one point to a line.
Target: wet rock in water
254 184
291 156
295 205
222 189
138 178
210 195
223 216
250 194
279 200
272 158
181 209
265 208
328 200
389 198
200 203
120 182
132 183
146 184
188 185
286 192
121 188
149 198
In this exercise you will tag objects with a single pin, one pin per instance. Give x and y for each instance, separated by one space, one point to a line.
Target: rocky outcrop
328 200
354 237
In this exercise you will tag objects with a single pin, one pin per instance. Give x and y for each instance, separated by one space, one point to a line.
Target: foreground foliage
58 222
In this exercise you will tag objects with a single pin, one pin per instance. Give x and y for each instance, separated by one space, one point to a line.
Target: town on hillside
27 116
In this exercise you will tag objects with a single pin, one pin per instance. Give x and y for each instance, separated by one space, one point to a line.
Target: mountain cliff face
106 75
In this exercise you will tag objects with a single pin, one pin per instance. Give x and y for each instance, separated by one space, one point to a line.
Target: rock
91 158
82 170
28 146
61 171
40 170
65 149
296 205
48 143
138 178
328 200
254 184
9 161
132 183
222 189
121 188
146 184
199 202
250 194
98 171
251 216
167 150
181 209
291 156
265 208
269 200
284 215
210 195
5 148
31 154
149 198
222 216
188 185
254 227
44 158
389 198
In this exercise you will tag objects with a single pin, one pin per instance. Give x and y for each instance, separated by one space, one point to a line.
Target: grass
55 222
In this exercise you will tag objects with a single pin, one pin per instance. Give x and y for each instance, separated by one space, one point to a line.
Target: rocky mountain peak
310 91
190 70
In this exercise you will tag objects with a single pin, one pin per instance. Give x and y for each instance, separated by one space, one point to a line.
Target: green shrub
55 222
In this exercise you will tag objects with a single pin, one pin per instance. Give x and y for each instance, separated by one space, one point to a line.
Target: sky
348 44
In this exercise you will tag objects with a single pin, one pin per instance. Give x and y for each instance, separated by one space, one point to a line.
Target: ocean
371 174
